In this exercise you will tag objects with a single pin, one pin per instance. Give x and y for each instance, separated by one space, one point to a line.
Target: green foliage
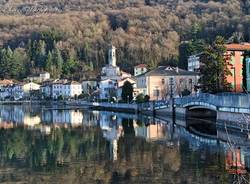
49 151
60 97
40 54
82 96
140 98
127 92
146 98
70 66
214 69
185 92
50 37
246 55
13 64
145 31
57 63
49 63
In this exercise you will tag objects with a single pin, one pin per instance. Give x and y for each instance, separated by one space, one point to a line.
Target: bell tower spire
112 56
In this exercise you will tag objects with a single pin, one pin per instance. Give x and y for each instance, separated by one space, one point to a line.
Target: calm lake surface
40 144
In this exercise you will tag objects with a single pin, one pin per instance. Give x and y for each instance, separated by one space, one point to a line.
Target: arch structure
199 105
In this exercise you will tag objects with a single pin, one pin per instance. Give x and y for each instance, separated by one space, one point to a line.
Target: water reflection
44 145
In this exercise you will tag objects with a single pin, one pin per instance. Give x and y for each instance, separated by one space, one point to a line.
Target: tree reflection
49 151
74 155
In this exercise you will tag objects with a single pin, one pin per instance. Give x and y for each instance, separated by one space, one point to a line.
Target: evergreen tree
127 91
214 69
40 55
20 67
57 62
69 66
246 55
49 64
5 63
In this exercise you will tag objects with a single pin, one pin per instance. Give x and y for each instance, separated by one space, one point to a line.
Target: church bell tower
112 56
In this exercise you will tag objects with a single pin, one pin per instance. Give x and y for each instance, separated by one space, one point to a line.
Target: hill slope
149 31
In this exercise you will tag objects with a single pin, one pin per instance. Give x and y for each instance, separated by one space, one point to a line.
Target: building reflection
31 121
114 127
235 161
119 144
151 132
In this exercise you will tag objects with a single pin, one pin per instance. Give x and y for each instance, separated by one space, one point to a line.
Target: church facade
111 76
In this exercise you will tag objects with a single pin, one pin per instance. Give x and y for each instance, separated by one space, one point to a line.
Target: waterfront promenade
233 108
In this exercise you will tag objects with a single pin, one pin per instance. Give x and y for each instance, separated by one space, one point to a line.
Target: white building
108 88
140 69
141 84
194 62
39 78
5 88
89 86
65 89
111 71
110 77
30 86
121 83
18 90
74 118
46 90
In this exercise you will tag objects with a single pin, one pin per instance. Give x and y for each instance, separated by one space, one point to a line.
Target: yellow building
157 82
31 86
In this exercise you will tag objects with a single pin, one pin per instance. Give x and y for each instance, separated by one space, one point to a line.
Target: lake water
43 145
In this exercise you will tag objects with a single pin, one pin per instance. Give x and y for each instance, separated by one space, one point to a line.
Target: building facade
248 73
39 78
111 78
157 83
28 87
234 58
194 62
89 86
140 69
108 88
65 89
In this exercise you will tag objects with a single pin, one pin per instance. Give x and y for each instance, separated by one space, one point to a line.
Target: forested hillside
68 37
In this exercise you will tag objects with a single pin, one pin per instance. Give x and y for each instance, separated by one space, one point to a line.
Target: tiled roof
65 82
6 82
168 71
72 82
91 79
60 81
238 47
141 66
125 73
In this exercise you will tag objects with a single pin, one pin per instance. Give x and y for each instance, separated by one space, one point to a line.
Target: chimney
177 69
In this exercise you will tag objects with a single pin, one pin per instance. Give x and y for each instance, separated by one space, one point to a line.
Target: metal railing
227 100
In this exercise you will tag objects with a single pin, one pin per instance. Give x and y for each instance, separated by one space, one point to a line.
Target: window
171 81
156 92
190 81
162 81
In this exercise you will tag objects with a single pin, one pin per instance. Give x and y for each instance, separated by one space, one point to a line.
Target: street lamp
233 67
171 83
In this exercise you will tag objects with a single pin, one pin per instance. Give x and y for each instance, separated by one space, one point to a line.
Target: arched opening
201 112
202 127
201 120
